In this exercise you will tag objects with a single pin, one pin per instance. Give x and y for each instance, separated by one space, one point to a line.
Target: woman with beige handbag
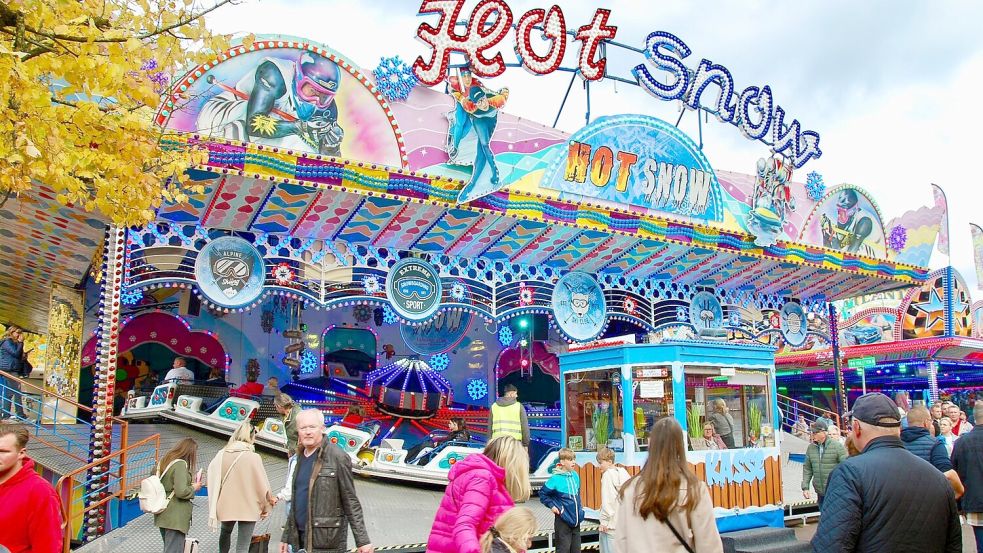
242 495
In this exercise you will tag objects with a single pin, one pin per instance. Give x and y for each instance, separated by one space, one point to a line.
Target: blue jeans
978 532
606 540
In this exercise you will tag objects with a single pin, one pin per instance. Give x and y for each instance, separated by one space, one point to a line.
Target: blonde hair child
512 532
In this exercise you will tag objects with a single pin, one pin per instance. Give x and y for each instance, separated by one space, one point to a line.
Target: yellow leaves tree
83 80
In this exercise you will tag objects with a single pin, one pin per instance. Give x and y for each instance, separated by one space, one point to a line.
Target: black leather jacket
333 506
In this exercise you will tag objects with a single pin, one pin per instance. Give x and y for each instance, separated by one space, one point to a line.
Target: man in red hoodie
30 513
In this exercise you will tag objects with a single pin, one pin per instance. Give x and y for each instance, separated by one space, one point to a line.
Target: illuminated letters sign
753 110
413 288
641 161
490 21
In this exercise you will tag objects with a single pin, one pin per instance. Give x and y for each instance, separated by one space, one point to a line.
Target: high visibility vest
506 421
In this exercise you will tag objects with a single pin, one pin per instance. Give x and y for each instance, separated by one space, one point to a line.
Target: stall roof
252 188
42 243
941 349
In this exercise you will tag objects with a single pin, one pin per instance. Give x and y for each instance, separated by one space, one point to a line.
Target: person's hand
197 486
556 511
264 515
603 528
274 500
367 548
284 548
805 494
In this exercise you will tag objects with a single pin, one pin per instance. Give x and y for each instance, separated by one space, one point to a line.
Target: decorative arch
168 330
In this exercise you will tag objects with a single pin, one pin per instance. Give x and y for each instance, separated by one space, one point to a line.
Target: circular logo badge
413 288
794 324
578 306
705 313
230 272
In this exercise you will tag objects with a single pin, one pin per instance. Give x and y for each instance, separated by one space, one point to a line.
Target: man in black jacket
323 492
967 459
886 499
918 439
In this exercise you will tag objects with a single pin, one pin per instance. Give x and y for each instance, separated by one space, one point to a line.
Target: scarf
215 479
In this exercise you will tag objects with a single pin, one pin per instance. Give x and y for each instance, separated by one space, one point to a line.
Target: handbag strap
221 485
160 475
679 536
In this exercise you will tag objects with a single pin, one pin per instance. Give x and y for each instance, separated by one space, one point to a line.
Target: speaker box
189 305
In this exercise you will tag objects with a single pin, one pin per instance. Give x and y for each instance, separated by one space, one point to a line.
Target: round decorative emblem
578 306
230 272
413 288
705 312
794 323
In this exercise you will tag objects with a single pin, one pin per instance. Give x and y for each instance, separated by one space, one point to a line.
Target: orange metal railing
92 486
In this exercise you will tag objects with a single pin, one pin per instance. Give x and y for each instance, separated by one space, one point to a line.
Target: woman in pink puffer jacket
480 489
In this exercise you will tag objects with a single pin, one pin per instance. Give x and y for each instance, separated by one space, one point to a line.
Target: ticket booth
613 395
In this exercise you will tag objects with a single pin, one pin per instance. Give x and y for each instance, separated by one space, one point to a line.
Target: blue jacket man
919 440
886 499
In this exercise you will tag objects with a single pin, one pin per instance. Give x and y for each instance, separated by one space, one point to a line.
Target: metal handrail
122 423
800 407
64 487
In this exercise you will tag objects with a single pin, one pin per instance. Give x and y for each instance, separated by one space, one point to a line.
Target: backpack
153 498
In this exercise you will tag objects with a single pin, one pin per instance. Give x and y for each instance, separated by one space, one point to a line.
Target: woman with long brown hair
665 505
175 470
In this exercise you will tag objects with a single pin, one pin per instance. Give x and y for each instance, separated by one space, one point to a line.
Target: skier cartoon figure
771 200
852 226
474 118
280 103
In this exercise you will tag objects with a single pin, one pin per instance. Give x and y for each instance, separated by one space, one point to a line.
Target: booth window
593 409
652 398
729 398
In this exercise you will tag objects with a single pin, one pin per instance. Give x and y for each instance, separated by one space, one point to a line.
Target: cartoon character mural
771 200
280 103
847 220
472 124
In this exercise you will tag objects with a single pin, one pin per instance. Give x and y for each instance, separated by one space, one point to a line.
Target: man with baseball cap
822 456
886 499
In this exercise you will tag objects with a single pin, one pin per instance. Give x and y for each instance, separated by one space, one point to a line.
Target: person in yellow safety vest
508 417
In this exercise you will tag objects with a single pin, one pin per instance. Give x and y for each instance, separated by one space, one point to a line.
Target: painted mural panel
288 94
847 220
64 350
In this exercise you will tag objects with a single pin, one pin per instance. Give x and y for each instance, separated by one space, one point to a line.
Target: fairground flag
978 253
940 201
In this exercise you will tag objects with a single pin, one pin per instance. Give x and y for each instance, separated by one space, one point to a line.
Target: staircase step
760 540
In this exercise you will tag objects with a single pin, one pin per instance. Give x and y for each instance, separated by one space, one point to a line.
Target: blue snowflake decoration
371 285
682 314
735 319
457 291
477 389
394 79
308 362
505 336
389 316
131 297
815 186
440 362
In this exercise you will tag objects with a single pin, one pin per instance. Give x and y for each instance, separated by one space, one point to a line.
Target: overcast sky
892 87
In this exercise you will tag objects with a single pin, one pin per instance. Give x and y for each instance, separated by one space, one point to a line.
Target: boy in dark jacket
561 493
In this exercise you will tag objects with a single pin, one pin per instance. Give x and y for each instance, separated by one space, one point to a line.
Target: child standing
561 493
512 532
612 478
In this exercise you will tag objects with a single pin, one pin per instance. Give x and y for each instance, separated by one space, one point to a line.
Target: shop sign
735 466
230 271
413 289
442 332
578 306
641 161
861 362
794 324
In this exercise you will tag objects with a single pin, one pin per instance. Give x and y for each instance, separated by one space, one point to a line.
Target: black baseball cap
872 408
819 426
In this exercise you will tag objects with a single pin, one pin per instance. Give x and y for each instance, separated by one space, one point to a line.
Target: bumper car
225 417
158 402
352 440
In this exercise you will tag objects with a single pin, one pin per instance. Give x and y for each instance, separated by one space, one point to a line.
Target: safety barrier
92 486
792 408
